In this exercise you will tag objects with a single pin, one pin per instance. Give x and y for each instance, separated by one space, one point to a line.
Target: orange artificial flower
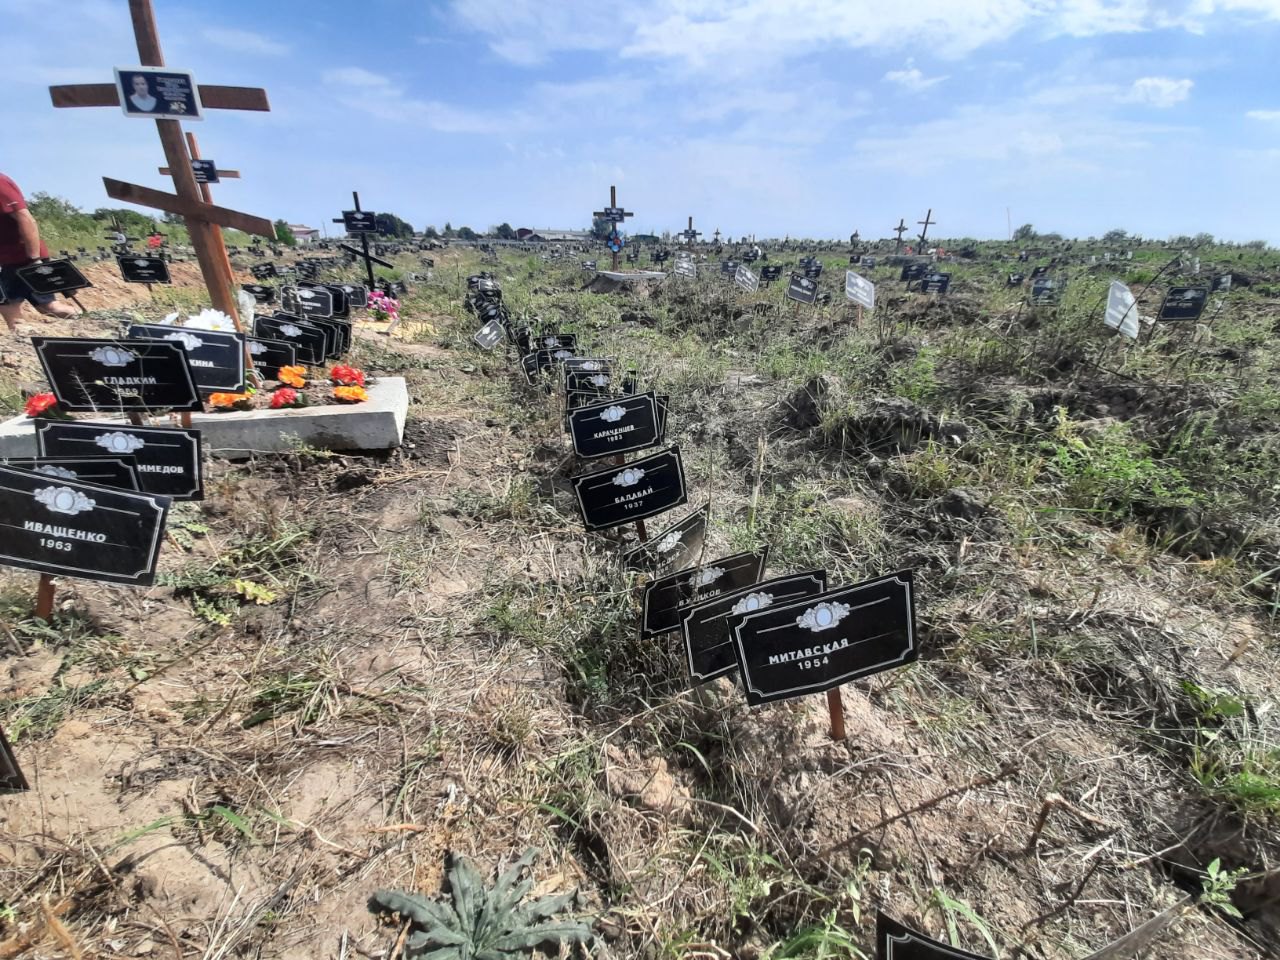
350 394
228 401
293 376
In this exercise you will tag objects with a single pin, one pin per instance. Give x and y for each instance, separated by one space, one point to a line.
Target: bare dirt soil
353 665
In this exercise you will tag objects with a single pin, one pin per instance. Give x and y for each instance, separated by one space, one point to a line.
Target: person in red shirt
20 245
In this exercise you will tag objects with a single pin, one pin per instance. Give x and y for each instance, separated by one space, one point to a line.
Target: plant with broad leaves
480 923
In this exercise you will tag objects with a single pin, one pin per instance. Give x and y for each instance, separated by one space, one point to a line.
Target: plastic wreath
287 397
294 376
231 401
347 376
45 405
350 394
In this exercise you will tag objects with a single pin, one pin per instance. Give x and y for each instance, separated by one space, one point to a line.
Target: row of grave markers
785 636
93 503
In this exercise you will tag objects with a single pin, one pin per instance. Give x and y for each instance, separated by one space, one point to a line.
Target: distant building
303 233
553 236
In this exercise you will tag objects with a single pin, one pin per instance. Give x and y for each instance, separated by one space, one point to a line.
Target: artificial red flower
284 397
40 404
347 376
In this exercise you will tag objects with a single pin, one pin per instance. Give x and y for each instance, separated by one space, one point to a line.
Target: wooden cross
204 219
614 214
925 223
716 236
690 234
900 229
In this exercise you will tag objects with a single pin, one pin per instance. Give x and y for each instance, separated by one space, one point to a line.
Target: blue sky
808 117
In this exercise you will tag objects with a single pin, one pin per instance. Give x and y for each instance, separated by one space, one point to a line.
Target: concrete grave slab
376 424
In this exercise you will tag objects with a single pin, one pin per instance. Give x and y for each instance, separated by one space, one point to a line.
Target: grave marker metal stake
836 707
204 220
44 598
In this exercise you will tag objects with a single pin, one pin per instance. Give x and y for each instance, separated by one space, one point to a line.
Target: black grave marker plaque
620 425
707 643
1183 303
664 598
135 269
53 276
118 472
167 458
770 274
117 375
816 644
935 283
205 171
896 942
216 358
270 355
1045 291
913 271
802 289
1015 280
308 340
490 335
357 294
307 302
71 529
633 491
261 293
674 548
359 221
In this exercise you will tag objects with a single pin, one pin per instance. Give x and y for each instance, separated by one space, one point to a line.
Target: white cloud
356 77
911 79
710 35
1270 116
1161 92
363 90
244 41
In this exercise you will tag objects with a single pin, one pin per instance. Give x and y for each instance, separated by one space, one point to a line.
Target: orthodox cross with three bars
615 215
900 229
925 223
204 220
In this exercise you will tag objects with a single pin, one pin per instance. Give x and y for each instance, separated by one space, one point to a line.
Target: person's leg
11 312
10 300
54 308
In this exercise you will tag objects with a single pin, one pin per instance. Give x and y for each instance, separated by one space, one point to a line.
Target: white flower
823 617
64 500
629 477
113 356
613 414
752 602
211 320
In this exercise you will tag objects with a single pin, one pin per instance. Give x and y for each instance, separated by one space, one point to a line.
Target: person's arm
28 232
